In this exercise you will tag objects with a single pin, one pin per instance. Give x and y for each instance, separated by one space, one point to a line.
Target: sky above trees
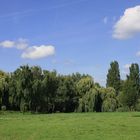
70 36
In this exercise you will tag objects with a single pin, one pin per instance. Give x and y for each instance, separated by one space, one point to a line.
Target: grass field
73 126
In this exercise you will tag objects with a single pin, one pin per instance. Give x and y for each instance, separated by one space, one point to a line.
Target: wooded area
36 90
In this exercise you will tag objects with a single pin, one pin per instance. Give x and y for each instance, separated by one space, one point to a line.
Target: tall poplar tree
131 88
113 76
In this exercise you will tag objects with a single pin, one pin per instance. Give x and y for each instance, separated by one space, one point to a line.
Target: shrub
24 107
80 107
123 109
138 105
109 105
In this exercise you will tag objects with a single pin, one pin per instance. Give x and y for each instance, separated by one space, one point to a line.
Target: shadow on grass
135 115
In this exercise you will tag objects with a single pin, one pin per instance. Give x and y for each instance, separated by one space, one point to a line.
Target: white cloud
105 20
129 24
29 52
36 52
19 44
7 44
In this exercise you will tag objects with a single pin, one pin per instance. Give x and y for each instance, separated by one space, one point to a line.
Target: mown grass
72 126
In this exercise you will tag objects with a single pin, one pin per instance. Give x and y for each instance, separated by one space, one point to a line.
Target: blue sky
70 36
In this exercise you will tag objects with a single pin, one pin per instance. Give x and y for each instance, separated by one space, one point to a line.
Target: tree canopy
37 90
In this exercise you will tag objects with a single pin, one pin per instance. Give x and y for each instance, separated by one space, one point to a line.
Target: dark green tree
37 89
66 99
50 85
131 88
4 91
113 76
14 98
24 87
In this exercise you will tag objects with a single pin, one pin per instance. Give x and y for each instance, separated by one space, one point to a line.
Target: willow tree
24 81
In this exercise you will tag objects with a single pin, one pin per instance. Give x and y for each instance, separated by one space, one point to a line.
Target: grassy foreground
73 126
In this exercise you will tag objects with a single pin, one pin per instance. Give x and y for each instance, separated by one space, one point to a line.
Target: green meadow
71 126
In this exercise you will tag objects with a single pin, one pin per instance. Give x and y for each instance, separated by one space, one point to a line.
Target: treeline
36 90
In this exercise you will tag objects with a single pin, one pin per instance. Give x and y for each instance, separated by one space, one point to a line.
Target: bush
109 105
80 107
138 105
123 109
3 108
24 107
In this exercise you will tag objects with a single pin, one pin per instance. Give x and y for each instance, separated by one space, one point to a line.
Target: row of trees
128 90
36 90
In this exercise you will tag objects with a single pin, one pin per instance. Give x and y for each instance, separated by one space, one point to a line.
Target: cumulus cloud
7 44
19 44
36 52
129 24
29 52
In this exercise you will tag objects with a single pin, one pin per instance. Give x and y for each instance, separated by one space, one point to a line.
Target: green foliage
109 99
84 85
50 84
138 105
4 90
113 76
80 106
85 93
131 88
36 100
66 98
90 102
123 109
109 105
36 90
